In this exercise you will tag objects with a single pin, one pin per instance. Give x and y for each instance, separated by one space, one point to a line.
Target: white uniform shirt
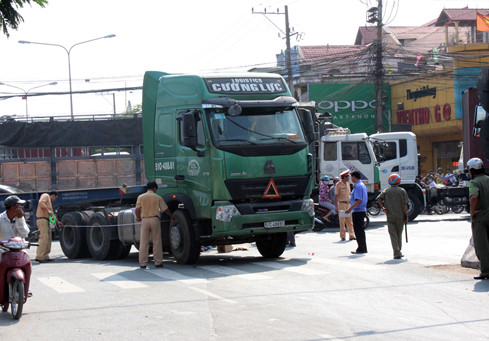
8 229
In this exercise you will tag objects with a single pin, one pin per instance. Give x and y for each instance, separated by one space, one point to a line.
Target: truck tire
99 241
183 245
414 206
122 251
274 246
73 237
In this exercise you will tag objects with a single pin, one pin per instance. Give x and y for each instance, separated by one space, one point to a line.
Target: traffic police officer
394 202
479 212
148 208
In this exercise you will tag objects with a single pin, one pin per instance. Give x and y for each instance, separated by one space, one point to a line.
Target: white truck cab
396 153
339 150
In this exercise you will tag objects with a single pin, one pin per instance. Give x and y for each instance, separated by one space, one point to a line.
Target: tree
10 17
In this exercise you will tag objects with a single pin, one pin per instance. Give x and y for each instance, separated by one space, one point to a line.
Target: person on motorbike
324 197
12 221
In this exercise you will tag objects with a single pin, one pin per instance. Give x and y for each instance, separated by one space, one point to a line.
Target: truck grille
289 188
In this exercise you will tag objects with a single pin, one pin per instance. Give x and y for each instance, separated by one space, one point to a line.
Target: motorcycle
373 209
15 275
441 209
457 209
320 223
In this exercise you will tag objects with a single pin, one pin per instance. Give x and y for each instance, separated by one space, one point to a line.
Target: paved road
316 291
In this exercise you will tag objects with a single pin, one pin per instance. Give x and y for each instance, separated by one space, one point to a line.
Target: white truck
376 157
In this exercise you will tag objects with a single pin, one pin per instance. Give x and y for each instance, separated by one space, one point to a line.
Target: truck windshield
256 127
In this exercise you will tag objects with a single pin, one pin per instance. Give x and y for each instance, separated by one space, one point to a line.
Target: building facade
427 104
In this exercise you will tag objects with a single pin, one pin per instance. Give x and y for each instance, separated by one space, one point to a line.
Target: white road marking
118 280
60 285
350 263
175 276
210 294
328 337
229 271
303 270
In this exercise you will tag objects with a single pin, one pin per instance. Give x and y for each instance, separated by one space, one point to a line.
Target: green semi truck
230 156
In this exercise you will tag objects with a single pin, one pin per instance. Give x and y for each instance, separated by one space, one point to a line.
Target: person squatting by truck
479 213
325 197
394 202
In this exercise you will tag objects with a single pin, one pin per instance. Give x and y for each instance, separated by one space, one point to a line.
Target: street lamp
68 51
26 92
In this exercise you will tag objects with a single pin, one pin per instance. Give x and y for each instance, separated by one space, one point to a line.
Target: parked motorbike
15 275
457 209
373 209
320 223
441 209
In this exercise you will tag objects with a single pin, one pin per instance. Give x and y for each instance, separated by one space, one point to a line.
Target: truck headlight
226 213
308 205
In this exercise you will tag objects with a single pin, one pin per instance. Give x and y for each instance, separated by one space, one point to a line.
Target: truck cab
339 150
396 153
231 157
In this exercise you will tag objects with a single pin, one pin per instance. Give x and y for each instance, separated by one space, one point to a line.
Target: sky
185 36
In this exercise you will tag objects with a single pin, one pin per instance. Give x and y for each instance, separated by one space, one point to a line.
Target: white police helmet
475 163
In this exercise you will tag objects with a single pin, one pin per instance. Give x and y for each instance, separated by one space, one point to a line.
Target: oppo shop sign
352 105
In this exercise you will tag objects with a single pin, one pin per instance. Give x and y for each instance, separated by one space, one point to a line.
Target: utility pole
379 73
288 58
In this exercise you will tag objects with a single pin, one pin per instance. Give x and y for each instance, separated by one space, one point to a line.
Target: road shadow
481 286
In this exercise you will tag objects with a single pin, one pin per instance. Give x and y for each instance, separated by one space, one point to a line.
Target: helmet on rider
325 178
475 163
439 170
394 179
336 179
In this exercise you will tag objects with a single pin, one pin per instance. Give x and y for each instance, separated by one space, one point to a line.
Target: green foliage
10 17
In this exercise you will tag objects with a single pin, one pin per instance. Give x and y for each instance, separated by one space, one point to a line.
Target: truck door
355 155
396 158
165 149
193 167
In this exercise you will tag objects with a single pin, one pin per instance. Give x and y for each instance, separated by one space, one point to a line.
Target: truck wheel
73 238
414 206
182 239
100 244
274 246
122 251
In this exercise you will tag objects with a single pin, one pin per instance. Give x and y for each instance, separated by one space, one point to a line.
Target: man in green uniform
394 202
479 212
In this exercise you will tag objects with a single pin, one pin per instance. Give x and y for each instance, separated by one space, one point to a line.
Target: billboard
352 105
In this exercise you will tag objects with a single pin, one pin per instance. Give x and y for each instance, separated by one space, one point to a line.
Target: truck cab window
256 127
349 151
363 155
330 151
402 148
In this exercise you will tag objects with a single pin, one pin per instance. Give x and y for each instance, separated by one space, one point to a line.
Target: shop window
446 153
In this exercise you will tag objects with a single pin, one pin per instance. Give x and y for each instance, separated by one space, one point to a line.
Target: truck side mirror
308 124
188 129
479 118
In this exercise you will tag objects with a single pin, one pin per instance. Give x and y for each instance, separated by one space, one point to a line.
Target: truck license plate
272 224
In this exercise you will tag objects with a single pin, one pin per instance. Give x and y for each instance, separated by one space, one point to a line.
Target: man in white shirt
12 221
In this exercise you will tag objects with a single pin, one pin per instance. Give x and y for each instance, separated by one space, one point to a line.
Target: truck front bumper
264 222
